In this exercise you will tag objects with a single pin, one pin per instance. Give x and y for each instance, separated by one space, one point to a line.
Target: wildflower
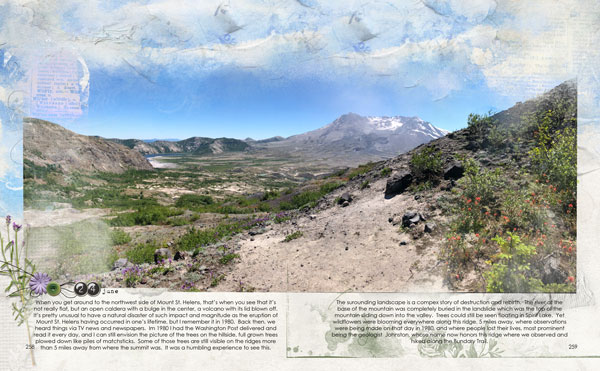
570 205
39 282
457 276
16 227
476 234
469 209
571 279
469 201
570 248
478 198
8 219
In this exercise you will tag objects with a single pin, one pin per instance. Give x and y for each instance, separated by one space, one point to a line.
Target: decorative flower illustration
38 283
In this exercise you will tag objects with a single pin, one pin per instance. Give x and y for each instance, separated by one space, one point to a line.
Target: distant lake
166 155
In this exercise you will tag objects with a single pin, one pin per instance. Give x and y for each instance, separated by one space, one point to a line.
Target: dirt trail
353 248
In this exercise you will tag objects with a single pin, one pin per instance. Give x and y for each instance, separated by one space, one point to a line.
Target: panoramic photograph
364 203
361 157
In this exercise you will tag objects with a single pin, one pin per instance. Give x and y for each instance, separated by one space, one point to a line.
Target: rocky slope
196 145
46 143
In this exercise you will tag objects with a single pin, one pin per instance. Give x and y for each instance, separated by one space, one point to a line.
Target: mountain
196 145
46 143
352 138
165 140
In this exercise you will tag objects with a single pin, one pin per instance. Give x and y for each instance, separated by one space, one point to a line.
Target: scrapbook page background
175 55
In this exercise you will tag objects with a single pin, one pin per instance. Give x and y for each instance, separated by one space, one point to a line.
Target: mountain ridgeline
48 146
353 139
194 145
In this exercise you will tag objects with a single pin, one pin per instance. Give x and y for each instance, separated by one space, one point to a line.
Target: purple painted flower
39 282
8 219
16 227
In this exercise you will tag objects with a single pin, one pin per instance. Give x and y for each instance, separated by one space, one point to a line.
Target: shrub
385 171
362 169
270 195
329 187
191 201
364 184
427 163
141 253
132 275
480 183
144 216
521 211
558 160
227 258
477 123
293 236
119 237
511 272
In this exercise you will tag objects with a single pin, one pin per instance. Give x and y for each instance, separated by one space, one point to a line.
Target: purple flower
16 227
8 219
39 282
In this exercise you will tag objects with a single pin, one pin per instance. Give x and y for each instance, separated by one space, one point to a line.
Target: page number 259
572 346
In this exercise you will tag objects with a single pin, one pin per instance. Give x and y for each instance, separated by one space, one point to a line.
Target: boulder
121 263
398 183
429 227
179 255
395 220
472 146
345 197
162 254
551 272
454 171
410 218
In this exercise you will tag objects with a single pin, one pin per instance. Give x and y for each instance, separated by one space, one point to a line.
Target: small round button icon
80 288
93 288
53 288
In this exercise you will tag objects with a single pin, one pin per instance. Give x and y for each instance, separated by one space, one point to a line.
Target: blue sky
263 68
239 104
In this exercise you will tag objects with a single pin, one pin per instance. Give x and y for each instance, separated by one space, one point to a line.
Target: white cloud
507 44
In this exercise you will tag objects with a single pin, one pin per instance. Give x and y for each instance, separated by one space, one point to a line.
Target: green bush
141 253
293 236
512 272
329 187
385 171
427 163
144 216
482 184
227 258
477 123
521 213
191 201
362 169
270 195
309 197
558 160
119 237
